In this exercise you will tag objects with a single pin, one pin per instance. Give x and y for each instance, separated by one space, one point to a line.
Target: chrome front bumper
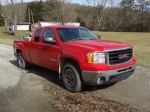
105 77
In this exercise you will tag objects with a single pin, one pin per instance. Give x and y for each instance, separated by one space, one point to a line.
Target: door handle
40 48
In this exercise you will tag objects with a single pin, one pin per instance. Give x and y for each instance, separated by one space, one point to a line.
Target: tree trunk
5 20
15 26
100 19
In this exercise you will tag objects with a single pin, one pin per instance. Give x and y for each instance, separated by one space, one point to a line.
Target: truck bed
23 44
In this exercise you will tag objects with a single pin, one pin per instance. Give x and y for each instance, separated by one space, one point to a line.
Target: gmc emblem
123 56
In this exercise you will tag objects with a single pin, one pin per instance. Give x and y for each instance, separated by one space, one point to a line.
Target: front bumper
105 77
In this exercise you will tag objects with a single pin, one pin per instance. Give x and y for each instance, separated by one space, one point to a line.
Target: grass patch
140 42
7 38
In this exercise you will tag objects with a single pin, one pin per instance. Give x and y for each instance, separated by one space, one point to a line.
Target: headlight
96 57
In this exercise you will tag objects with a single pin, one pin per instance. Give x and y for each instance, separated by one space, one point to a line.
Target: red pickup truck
80 57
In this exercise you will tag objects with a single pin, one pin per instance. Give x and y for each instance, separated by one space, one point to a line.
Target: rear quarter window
37 35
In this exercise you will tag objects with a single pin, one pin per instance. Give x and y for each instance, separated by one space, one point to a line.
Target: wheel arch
65 60
18 50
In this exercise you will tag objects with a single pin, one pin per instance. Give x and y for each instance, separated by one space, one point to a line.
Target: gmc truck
79 56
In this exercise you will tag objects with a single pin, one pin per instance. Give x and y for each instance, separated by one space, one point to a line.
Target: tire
21 62
71 78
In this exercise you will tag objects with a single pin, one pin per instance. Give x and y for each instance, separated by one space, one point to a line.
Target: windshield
71 34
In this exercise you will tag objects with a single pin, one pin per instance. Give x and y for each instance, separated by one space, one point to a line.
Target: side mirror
99 36
49 40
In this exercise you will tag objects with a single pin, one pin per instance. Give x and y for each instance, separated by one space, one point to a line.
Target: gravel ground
39 90
21 91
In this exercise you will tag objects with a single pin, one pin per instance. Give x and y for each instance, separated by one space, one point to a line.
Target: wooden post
15 26
32 17
29 14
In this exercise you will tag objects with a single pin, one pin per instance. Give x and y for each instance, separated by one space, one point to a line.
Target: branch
3 15
7 17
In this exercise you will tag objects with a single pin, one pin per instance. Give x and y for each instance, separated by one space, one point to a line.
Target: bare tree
99 6
11 11
14 7
12 2
140 4
59 11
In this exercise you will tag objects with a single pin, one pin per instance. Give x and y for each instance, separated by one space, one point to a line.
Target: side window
37 35
49 33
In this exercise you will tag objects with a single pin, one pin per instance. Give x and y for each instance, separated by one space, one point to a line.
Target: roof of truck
63 26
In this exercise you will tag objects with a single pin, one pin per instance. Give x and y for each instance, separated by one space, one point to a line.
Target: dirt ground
130 95
39 90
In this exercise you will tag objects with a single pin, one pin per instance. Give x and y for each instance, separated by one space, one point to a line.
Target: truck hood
98 45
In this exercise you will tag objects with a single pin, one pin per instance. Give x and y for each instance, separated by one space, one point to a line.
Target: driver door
48 54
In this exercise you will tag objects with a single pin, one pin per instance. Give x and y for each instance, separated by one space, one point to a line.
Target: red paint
41 53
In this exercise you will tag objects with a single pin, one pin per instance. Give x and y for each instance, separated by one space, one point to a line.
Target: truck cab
80 57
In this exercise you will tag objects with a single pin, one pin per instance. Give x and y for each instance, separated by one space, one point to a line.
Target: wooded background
104 15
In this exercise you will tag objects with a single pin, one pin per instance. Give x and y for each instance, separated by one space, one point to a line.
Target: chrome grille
119 56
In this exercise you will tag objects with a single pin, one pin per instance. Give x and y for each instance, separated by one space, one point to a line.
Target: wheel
21 62
71 78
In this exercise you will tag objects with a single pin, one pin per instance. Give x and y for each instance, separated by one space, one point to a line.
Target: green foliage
1 21
79 10
51 10
1 18
82 23
37 9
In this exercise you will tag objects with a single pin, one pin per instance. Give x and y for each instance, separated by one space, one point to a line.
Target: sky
82 2
74 1
79 1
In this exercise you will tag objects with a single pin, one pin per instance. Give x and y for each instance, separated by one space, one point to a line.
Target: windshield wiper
82 39
94 39
77 39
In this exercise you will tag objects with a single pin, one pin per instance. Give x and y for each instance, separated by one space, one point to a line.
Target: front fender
75 54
